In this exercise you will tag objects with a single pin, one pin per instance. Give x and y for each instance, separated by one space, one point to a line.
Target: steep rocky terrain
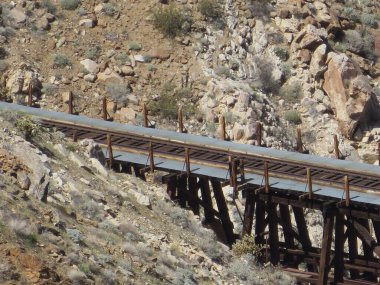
312 65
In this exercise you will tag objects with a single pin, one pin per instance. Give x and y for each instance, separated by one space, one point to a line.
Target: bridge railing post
104 109
70 103
187 161
223 127
259 134
145 115
151 158
347 191
110 153
266 176
30 95
180 120
336 147
309 183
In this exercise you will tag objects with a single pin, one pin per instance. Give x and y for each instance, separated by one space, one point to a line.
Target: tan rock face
352 98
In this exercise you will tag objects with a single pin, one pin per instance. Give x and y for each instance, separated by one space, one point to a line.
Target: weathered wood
249 211
70 103
104 109
138 173
309 183
223 211
336 147
242 170
223 127
151 158
273 233
206 198
352 247
376 228
339 248
181 190
180 120
110 153
347 191
258 134
234 178
286 224
324 265
299 141
171 189
187 161
193 189
303 233
145 116
126 168
75 137
369 243
30 95
260 222
378 150
266 176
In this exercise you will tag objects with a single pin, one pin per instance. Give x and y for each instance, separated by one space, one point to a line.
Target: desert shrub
107 226
122 57
3 65
263 78
184 277
3 53
168 20
27 126
134 46
223 71
7 32
110 9
234 64
282 53
229 118
291 93
109 278
60 60
211 127
211 248
360 42
369 20
118 92
92 52
85 268
292 117
247 245
209 8
74 235
69 4
49 89
351 13
50 7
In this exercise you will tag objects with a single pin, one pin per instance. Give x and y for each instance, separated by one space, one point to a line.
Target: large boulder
20 79
352 98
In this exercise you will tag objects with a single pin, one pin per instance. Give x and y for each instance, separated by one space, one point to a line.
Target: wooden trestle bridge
279 189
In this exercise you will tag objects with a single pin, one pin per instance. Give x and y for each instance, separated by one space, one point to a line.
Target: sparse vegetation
118 92
210 8
282 53
134 46
49 6
69 4
60 60
291 93
110 9
292 117
93 52
28 127
49 89
168 20
247 245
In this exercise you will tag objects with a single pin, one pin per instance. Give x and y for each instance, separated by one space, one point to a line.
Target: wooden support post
145 115
171 189
242 170
324 263
369 244
70 103
223 211
181 190
273 233
347 191
151 158
352 247
110 153
376 228
260 222
126 168
299 141
193 189
138 173
309 183
30 95
234 179
180 120
336 147
378 150
287 228
206 198
230 170
249 210
187 161
223 127
339 249
104 109
266 176
258 134
303 233
75 138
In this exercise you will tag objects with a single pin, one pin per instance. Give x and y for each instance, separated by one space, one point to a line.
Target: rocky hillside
65 219
287 64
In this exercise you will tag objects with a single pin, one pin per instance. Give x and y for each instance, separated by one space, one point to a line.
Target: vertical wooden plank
30 95
260 222
104 109
171 189
145 116
368 251
223 127
70 103
193 189
187 161
309 183
126 168
110 153
303 233
242 170
249 210
376 228
324 264
151 158
299 141
378 150
75 137
234 178
266 177
181 190
339 248
286 224
347 191
223 211
352 247
138 173
206 198
273 233
336 147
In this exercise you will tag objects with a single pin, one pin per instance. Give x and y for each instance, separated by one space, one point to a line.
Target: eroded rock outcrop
352 98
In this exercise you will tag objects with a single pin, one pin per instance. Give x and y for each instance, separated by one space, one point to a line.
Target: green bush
134 46
60 60
70 4
291 93
264 79
110 9
282 53
118 92
210 8
223 71
92 52
292 117
50 7
247 245
168 20
369 20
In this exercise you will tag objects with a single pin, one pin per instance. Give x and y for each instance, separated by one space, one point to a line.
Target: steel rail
208 155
